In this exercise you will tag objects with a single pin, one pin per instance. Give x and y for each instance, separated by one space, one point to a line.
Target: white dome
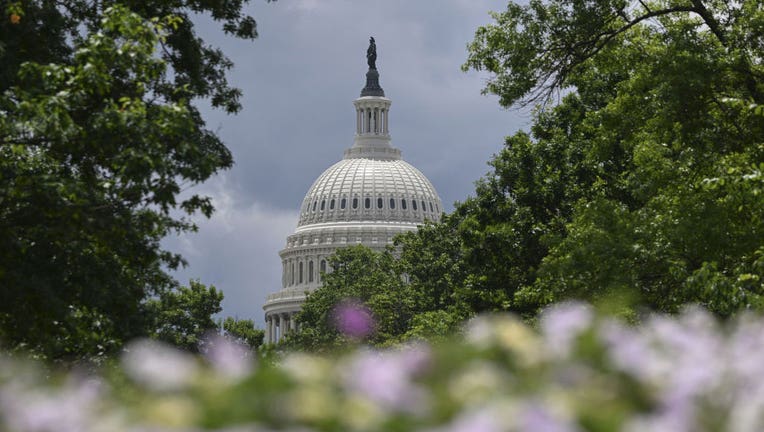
360 189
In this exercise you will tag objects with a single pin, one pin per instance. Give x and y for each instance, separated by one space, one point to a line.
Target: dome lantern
372 111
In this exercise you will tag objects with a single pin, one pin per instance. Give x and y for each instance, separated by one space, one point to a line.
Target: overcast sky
299 79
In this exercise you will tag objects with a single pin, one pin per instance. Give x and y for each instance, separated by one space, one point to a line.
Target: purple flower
353 319
563 323
387 378
483 419
536 417
228 357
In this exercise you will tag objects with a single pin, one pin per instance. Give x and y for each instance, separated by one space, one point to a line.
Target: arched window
310 271
355 203
403 204
413 204
331 204
323 266
323 205
300 279
392 203
291 274
431 207
424 206
379 202
437 209
367 203
343 203
314 205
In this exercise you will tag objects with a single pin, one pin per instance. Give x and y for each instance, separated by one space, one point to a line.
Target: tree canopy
99 133
375 285
646 178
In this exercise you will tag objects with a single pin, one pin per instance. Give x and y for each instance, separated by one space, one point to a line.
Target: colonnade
278 325
372 120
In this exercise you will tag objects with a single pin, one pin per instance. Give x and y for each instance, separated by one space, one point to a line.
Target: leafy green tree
184 317
98 133
242 331
358 274
400 307
646 177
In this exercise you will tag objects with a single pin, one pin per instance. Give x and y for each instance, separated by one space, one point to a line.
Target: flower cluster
576 371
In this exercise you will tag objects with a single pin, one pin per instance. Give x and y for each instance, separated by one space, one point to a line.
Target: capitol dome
366 198
361 189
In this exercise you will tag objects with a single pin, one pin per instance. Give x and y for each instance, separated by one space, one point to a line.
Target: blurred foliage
99 133
576 371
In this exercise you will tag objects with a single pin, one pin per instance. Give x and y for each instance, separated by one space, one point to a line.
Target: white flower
158 366
563 323
229 358
386 378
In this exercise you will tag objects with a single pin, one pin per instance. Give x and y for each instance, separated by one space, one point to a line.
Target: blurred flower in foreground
387 378
159 366
537 417
73 407
561 324
353 319
227 357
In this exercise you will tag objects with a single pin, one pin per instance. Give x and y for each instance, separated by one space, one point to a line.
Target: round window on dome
392 203
367 203
343 203
380 203
355 203
403 204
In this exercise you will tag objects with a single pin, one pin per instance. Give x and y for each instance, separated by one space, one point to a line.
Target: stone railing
287 294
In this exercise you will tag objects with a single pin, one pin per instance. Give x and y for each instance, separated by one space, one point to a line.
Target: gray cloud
299 80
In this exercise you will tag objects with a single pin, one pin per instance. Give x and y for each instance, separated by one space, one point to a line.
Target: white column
387 114
267 329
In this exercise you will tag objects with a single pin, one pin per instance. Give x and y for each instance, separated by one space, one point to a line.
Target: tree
377 287
357 274
98 134
242 331
654 184
184 317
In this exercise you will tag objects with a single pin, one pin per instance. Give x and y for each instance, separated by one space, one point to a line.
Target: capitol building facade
366 198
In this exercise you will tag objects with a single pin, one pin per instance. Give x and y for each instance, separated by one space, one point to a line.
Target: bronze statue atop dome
372 87
371 54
